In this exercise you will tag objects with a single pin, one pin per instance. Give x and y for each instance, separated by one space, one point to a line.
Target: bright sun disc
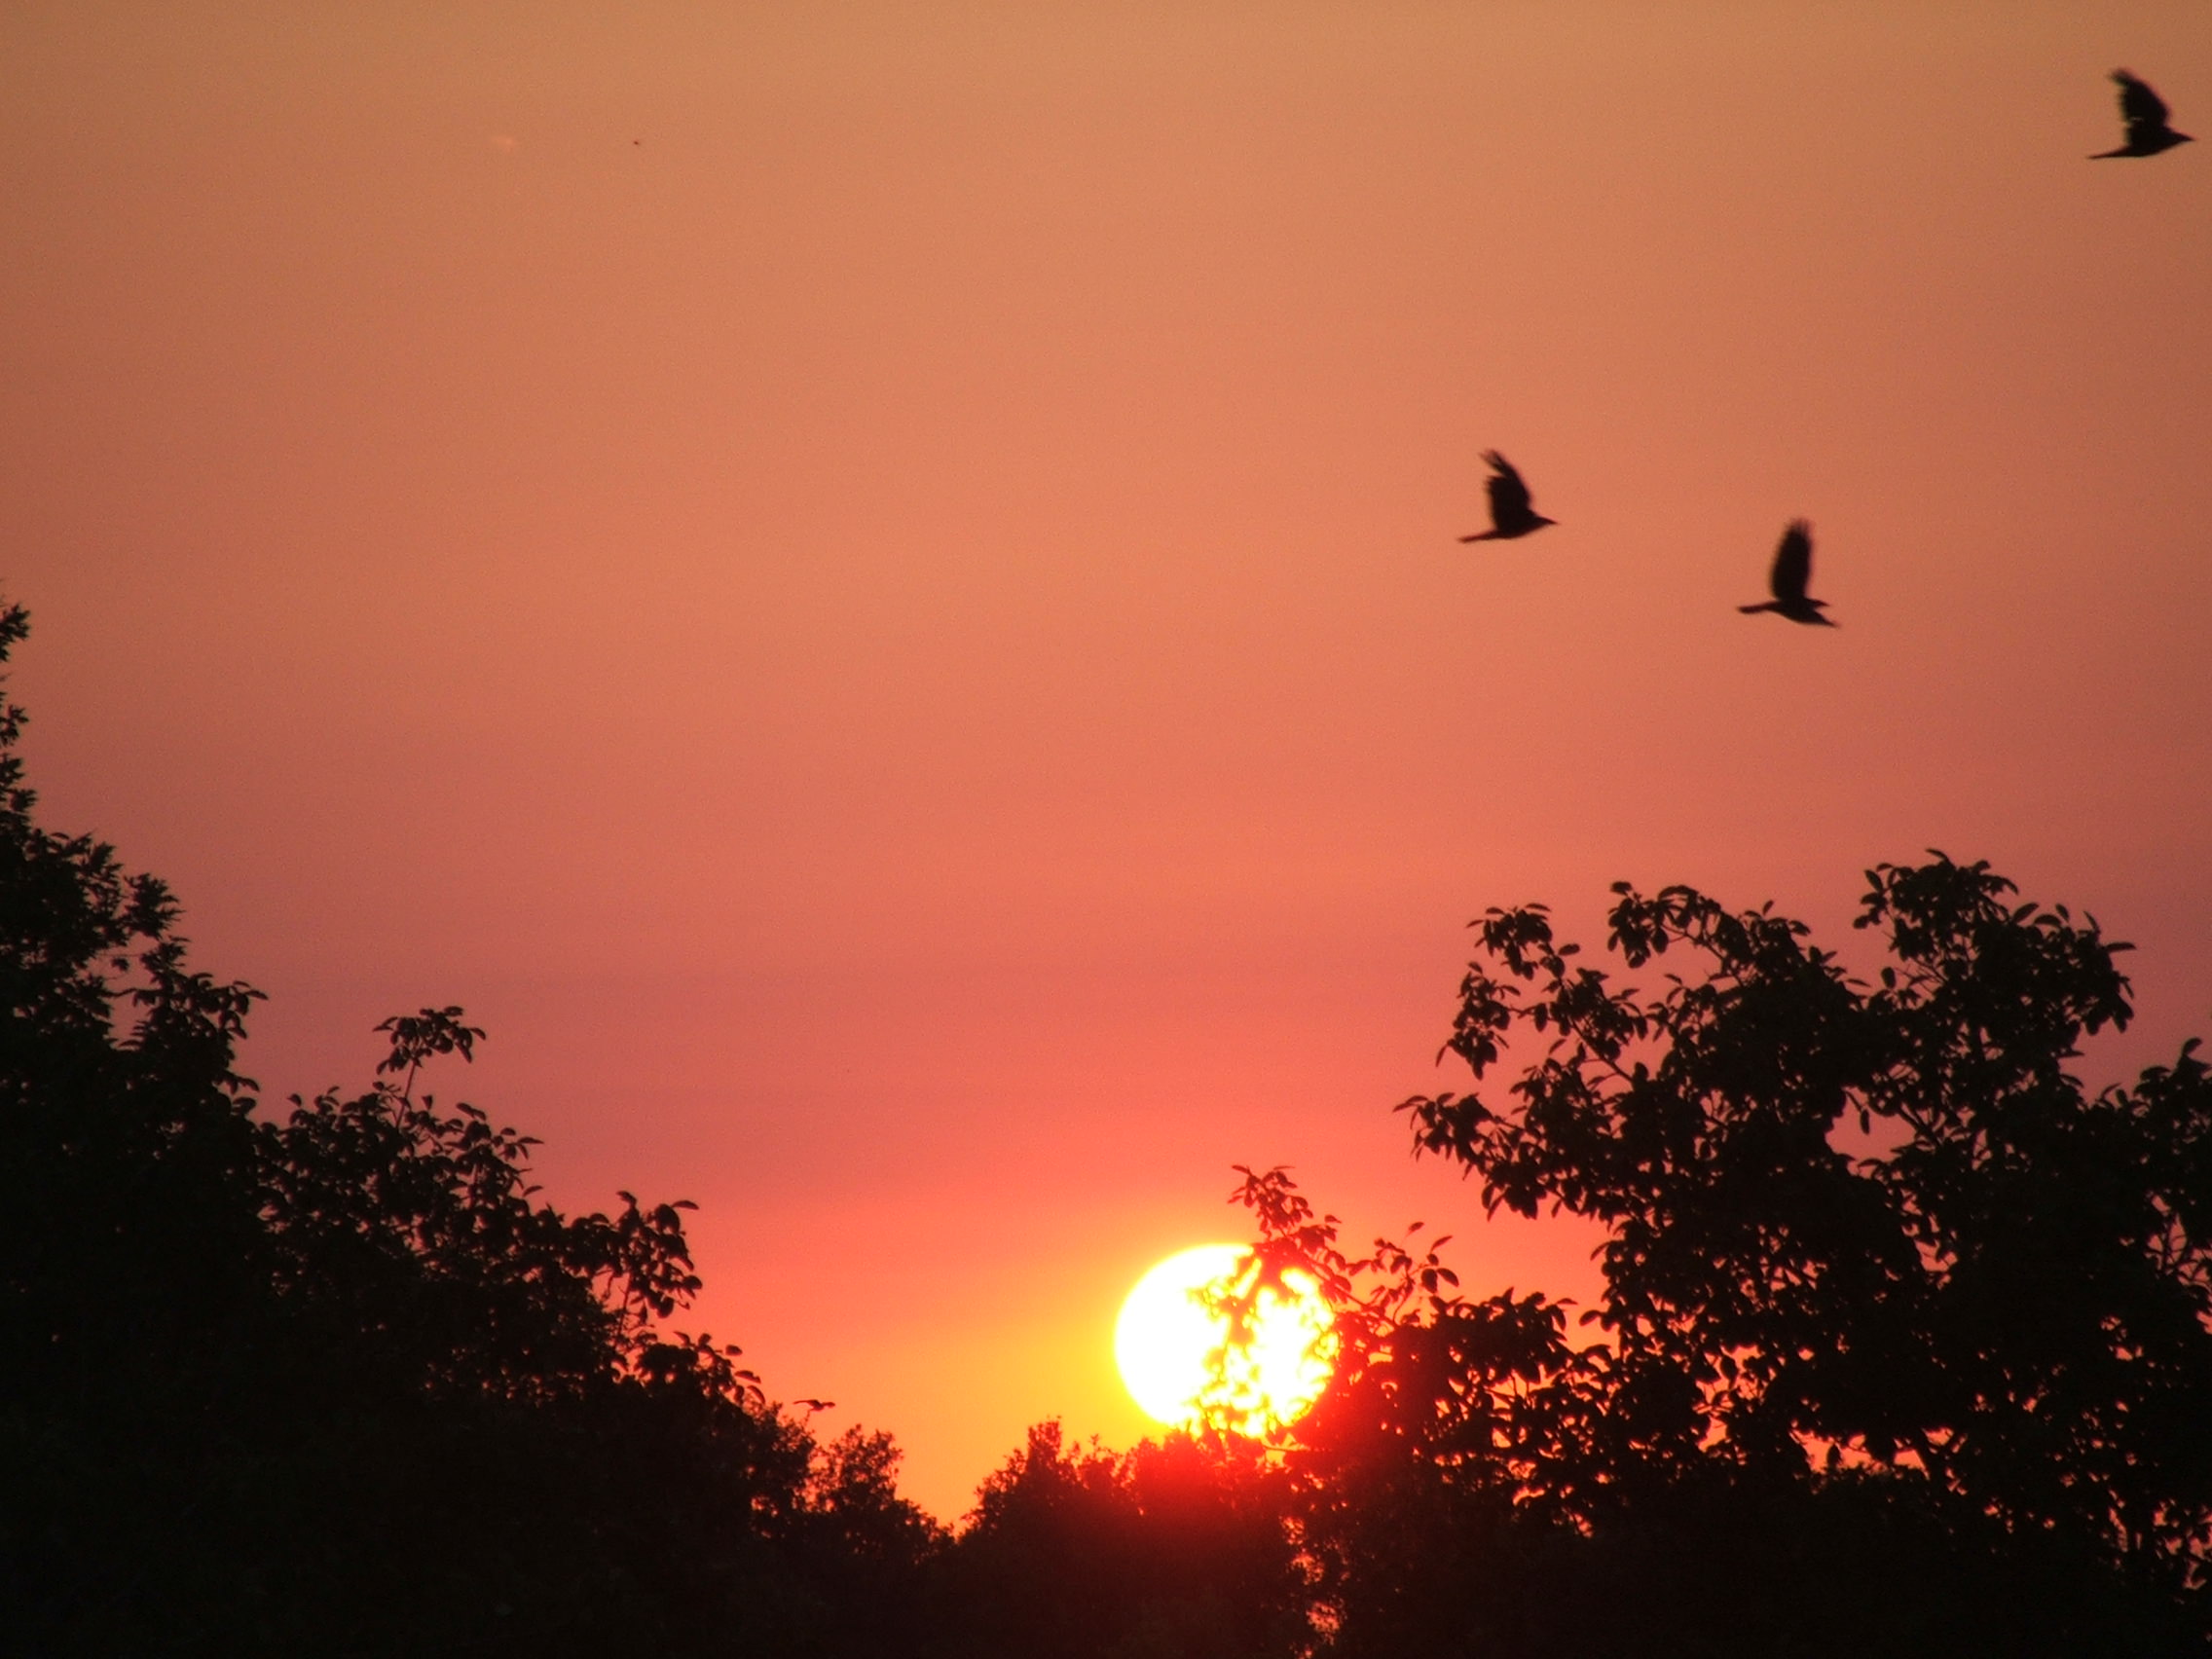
1166 1338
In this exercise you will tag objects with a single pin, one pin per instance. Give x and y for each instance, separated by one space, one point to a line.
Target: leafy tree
336 1381
1178 1549
414 1232
2004 1284
1881 1272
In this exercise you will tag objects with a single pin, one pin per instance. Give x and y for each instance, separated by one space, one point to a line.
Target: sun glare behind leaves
1179 1364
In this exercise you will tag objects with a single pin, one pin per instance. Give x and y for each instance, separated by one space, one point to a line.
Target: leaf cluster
337 1379
1874 1221
1178 1549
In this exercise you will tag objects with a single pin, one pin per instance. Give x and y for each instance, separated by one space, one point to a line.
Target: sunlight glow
1175 1356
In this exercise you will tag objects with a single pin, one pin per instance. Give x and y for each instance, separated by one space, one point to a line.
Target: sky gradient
872 587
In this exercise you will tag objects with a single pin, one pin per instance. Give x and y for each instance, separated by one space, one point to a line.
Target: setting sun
1166 1339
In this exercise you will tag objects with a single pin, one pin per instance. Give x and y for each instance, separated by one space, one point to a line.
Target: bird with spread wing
1792 571
1511 515
2144 113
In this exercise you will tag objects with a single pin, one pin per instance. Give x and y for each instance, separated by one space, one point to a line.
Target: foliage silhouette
1888 1291
1906 1344
1179 1549
336 1381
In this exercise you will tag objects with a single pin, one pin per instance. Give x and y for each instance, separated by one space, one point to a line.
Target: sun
1169 1344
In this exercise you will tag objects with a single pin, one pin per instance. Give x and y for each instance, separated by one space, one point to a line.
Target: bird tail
1485 536
1752 609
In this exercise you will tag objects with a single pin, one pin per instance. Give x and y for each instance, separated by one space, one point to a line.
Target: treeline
1907 1345
329 1381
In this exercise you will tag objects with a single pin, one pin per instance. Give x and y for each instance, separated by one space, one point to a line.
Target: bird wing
1508 496
2139 105
1793 562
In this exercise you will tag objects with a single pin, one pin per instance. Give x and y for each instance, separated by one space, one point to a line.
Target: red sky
872 587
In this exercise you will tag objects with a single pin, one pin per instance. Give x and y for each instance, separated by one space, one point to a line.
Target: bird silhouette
2145 113
1793 570
1510 514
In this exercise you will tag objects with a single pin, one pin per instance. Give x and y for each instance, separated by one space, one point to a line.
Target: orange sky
872 587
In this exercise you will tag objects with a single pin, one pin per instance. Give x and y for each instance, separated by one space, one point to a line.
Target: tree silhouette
1889 1292
1906 1344
1178 1549
2005 1285
337 1380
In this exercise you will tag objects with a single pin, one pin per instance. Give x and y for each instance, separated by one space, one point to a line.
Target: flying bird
2145 113
1510 514
1793 570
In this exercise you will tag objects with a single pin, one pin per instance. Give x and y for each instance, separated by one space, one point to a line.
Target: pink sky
874 587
